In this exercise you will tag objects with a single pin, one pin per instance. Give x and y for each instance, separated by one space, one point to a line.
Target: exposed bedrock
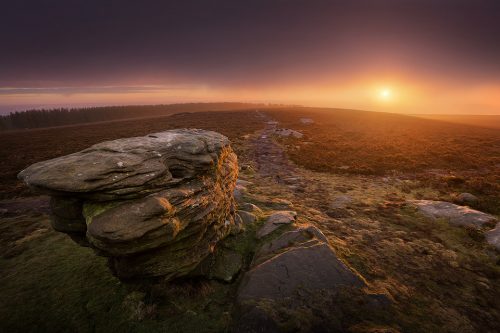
155 205
298 275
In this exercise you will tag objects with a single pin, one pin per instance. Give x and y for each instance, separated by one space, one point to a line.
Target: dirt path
270 158
276 172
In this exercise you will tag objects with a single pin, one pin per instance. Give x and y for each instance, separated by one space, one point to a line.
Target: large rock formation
155 205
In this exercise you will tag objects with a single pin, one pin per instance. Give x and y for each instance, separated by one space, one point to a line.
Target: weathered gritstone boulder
155 205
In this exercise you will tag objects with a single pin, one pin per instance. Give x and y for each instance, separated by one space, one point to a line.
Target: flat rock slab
300 260
305 236
299 273
309 268
455 214
276 220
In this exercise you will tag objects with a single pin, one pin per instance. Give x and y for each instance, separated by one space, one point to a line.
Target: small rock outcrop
456 215
466 199
286 132
154 205
250 207
342 201
306 121
280 204
276 220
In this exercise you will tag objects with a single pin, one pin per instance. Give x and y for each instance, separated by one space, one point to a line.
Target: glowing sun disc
385 94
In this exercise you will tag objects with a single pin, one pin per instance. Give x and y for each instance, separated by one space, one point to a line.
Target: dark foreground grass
54 285
57 286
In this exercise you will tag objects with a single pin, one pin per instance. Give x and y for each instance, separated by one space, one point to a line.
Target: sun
385 94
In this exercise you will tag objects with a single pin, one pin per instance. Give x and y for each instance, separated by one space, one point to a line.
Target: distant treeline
60 117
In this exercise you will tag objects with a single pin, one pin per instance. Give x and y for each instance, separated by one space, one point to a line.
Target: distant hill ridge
41 118
488 121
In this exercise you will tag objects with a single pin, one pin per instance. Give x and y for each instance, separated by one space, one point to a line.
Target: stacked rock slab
155 205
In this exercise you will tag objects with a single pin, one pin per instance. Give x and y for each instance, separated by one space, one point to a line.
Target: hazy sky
439 56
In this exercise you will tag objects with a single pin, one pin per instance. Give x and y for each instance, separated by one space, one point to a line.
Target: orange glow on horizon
391 95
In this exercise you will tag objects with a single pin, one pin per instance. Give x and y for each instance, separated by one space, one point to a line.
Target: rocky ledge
154 205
